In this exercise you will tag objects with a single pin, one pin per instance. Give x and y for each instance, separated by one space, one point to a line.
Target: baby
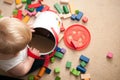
14 39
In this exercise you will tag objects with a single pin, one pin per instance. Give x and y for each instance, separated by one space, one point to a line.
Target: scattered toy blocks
84 58
73 16
41 72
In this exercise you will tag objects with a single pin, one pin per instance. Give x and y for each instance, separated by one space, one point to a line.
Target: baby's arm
24 67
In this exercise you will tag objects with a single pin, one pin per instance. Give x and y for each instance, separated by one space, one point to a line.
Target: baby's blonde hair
14 35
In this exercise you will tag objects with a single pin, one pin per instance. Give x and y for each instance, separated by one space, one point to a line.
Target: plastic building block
65 16
63 50
31 77
46 8
24 1
28 2
83 64
72 10
75 44
84 58
58 49
58 54
19 15
64 1
17 2
73 16
65 8
85 19
77 11
26 19
81 69
68 64
19 6
36 78
35 5
79 16
15 12
48 70
52 59
85 76
109 55
57 78
58 8
57 70
39 8
8 1
75 72
41 72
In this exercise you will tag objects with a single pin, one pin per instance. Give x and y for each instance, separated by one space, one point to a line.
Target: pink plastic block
109 55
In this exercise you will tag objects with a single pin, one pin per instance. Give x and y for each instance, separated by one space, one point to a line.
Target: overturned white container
47 28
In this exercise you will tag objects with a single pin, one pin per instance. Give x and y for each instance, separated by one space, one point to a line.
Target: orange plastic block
36 78
26 19
41 72
17 2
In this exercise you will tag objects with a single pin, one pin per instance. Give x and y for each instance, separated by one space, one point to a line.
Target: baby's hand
35 51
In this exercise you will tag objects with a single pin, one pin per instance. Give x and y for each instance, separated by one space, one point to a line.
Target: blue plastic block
58 49
84 58
79 16
81 69
73 16
48 70
39 8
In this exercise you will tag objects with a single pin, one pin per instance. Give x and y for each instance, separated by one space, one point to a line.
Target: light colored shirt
10 63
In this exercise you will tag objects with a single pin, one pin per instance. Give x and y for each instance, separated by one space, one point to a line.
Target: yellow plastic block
72 10
26 19
17 2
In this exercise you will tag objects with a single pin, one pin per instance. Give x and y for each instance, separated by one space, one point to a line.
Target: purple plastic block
63 50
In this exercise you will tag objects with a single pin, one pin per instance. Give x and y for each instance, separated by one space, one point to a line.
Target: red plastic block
46 8
19 15
85 19
35 5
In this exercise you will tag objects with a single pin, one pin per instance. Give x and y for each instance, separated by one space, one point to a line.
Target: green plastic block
58 8
77 11
75 72
58 54
57 78
57 70
15 12
83 64
31 77
24 1
1 16
29 9
65 8
52 59
68 64
28 2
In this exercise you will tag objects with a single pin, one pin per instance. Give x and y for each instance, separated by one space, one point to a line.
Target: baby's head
14 35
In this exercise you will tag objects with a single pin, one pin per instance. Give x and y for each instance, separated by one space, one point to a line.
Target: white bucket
47 27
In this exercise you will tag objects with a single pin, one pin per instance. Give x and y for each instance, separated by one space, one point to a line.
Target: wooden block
60 37
85 76
24 13
8 1
64 1
65 16
72 10
19 6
